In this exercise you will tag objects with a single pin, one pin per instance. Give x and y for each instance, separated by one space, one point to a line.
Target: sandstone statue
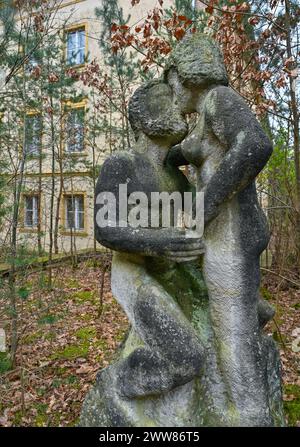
196 354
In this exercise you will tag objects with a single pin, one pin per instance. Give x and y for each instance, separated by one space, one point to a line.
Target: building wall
77 13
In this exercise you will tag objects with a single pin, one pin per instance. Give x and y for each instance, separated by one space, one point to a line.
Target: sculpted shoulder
231 119
126 167
118 168
225 100
118 162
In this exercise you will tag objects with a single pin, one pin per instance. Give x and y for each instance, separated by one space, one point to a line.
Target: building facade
57 195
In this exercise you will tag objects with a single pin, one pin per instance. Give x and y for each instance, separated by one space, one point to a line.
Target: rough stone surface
196 354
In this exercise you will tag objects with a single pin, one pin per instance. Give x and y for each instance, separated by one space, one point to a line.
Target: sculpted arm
247 148
167 242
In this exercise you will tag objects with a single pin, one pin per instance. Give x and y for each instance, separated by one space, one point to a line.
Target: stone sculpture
196 354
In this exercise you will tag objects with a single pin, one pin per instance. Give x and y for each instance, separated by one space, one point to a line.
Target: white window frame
76 53
76 198
75 131
33 208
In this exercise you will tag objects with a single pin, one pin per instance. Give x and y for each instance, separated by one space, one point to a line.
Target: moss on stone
132 342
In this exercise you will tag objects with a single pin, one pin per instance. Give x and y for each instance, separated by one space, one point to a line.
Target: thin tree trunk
40 190
295 127
51 211
15 221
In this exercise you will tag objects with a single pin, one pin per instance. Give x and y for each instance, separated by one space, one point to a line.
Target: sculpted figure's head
152 112
195 64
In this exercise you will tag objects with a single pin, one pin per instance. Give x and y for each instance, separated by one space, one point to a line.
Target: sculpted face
184 98
195 64
153 111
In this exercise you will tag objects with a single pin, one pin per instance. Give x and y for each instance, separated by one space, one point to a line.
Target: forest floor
67 336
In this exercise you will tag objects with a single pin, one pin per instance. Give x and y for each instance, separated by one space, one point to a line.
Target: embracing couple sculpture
196 354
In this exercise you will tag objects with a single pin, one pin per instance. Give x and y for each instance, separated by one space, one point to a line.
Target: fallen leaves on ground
66 340
285 328
64 344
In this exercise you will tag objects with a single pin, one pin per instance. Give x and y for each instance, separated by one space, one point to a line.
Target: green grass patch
86 317
73 284
5 362
61 371
71 352
49 319
50 336
69 380
31 338
41 419
102 344
17 418
292 408
266 294
280 337
121 333
83 296
86 333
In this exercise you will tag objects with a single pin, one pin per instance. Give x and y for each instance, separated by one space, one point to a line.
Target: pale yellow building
73 202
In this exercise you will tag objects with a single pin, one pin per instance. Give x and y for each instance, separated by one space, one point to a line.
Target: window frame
32 114
69 107
67 231
78 129
24 228
73 29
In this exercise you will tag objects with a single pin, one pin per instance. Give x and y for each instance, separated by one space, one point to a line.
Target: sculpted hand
185 248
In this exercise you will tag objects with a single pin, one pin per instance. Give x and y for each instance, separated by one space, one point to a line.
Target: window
75 130
33 58
32 63
74 206
31 211
33 134
76 46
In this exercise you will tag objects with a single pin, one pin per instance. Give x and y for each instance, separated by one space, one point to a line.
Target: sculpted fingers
185 253
187 244
182 259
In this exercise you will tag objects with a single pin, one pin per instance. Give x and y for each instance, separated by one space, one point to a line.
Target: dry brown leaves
48 387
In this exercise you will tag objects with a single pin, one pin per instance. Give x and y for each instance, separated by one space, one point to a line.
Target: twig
280 276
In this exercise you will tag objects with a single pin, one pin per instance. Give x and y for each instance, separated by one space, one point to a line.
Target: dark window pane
75 130
33 127
31 211
75 212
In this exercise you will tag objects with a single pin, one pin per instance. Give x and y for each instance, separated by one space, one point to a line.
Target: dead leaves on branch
248 52
153 37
